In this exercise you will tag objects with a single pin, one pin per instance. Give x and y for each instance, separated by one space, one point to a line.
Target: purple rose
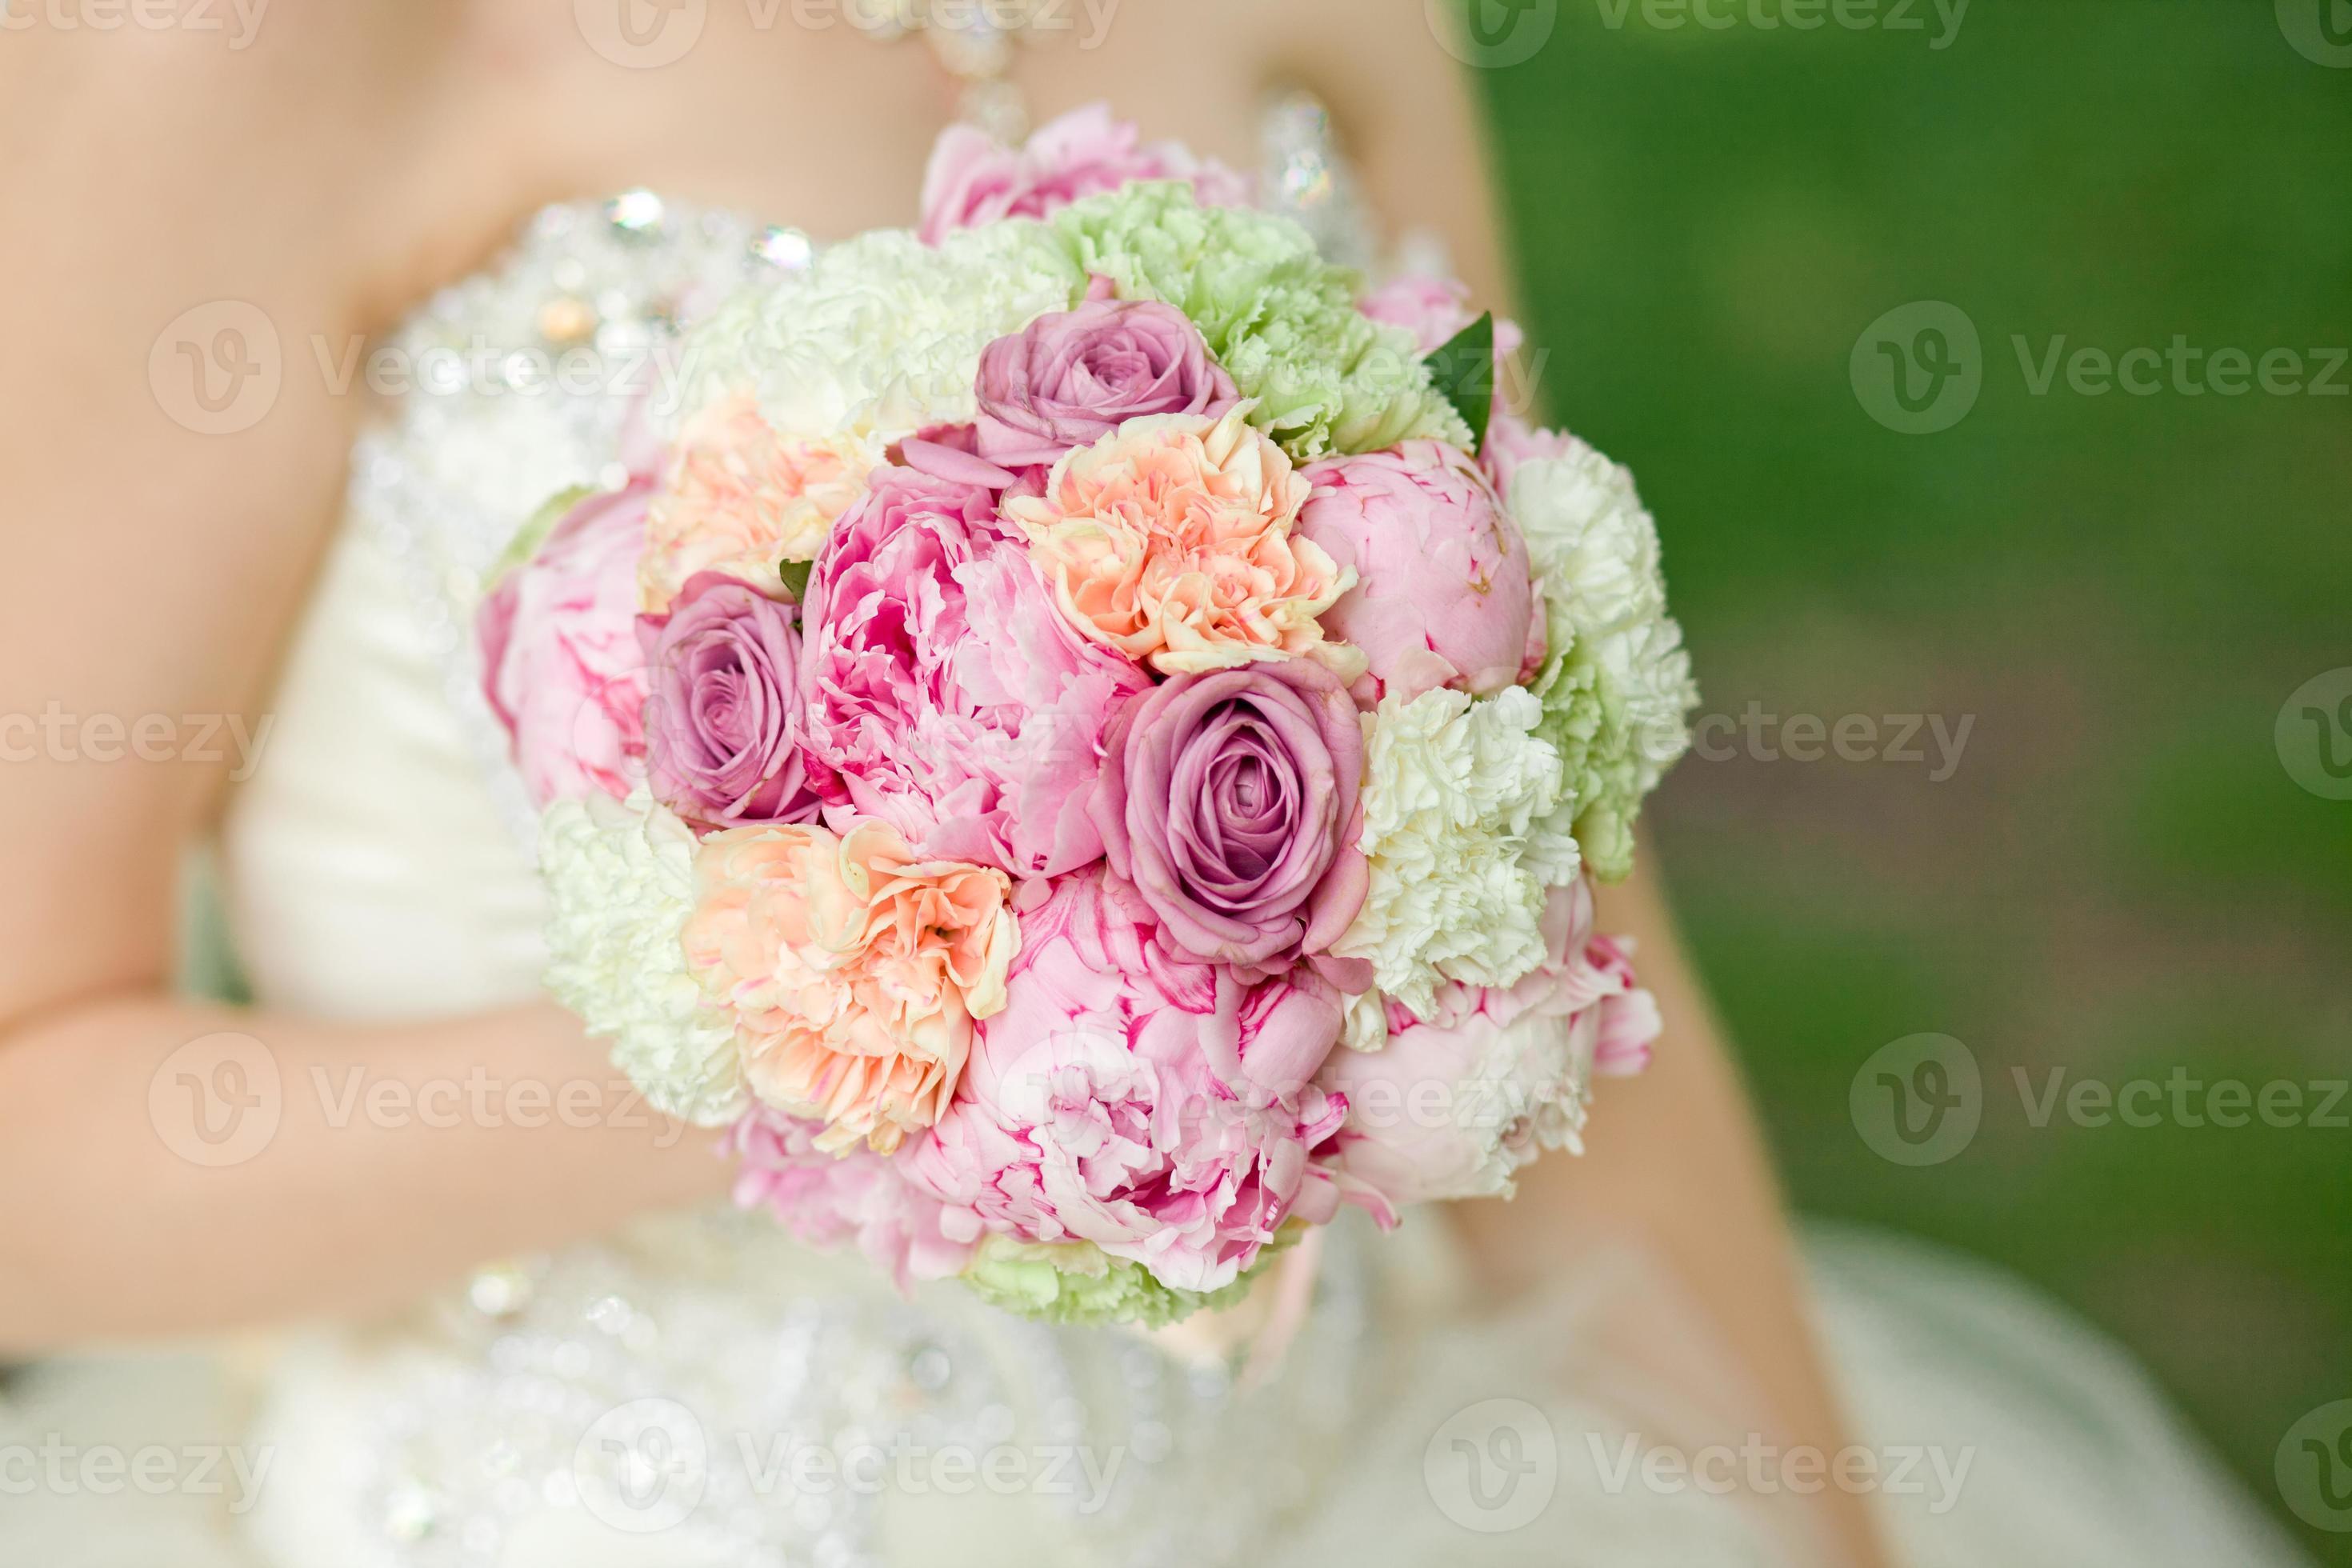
1228 801
1071 379
723 720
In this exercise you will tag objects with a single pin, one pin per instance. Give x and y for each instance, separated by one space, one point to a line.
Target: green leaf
1463 372
533 533
795 576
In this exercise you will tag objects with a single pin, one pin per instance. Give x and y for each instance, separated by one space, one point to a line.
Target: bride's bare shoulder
263 138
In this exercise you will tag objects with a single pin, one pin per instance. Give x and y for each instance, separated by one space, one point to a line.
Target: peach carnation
854 971
738 497
1173 540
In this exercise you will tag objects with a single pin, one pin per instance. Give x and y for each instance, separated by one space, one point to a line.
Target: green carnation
1079 1283
1601 787
1617 691
1283 322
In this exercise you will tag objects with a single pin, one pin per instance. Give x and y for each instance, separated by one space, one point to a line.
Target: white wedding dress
656 1400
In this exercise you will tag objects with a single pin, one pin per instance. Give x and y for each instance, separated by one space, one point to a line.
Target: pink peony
1173 540
723 725
1629 1022
1511 441
858 1198
1074 377
560 662
1436 311
1455 1104
1443 593
1156 1107
944 695
853 968
1229 802
974 180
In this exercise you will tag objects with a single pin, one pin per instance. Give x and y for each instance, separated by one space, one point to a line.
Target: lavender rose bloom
1072 378
1443 592
1228 801
723 717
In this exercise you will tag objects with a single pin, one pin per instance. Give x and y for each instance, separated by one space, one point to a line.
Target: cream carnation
1617 689
737 498
1457 798
1174 539
878 337
853 969
620 883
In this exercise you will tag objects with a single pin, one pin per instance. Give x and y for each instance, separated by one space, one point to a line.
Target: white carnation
1457 798
1618 688
879 336
620 881
1529 1093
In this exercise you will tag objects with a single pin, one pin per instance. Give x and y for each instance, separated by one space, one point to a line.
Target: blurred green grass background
2120 877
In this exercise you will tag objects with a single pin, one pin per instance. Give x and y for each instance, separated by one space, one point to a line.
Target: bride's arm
1675 1172
1675 1168
152 571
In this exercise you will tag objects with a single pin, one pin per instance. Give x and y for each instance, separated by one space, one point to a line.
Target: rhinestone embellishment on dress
521 383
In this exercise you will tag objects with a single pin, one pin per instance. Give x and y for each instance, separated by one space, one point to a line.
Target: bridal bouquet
1084 739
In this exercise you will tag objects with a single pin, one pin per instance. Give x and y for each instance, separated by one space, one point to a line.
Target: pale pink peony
854 971
1436 311
942 692
853 1198
1173 540
1511 442
1455 1104
1156 1107
1443 593
560 662
1630 1020
738 497
974 180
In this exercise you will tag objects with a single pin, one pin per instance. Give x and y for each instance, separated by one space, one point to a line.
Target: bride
460 1300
